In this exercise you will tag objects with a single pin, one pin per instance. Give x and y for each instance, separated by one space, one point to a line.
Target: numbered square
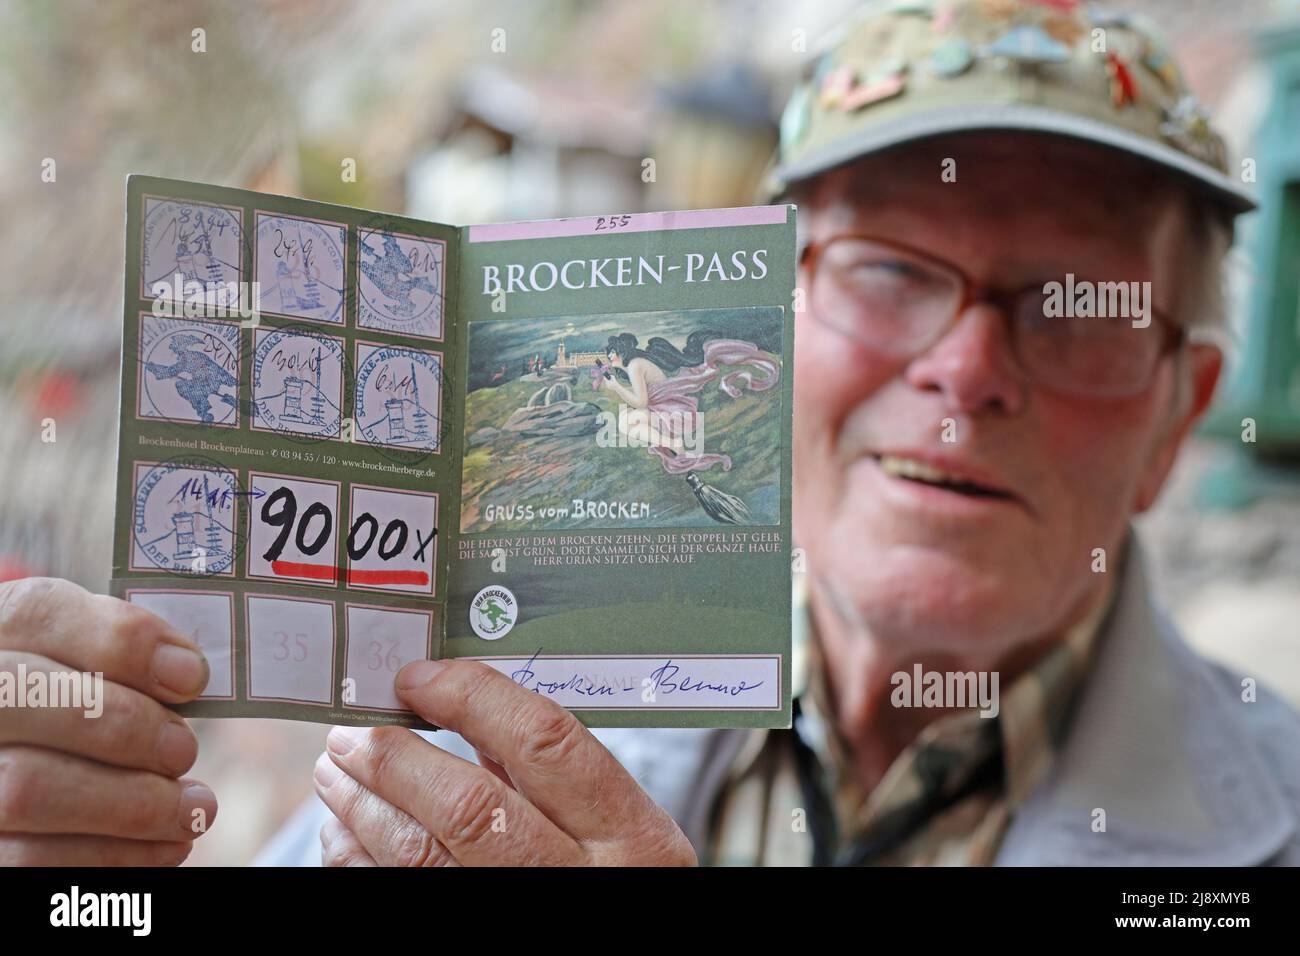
191 251
293 529
299 267
290 649
398 397
297 382
183 518
380 642
400 283
206 618
392 541
188 371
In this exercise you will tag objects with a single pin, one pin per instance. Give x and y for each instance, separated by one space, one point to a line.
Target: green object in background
1265 386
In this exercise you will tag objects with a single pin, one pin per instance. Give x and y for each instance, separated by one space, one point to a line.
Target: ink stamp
297 382
300 267
400 283
184 517
398 397
197 242
189 371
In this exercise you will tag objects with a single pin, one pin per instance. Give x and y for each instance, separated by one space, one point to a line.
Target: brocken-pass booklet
350 440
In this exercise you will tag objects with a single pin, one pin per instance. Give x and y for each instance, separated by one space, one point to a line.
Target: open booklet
350 440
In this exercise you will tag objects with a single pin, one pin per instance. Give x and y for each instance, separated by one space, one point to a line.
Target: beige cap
903 70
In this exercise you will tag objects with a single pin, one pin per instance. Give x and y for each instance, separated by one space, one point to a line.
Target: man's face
929 566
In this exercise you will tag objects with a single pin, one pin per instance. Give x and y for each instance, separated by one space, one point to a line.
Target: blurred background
474 111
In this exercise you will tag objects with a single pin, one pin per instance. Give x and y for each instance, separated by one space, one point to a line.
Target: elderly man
979 415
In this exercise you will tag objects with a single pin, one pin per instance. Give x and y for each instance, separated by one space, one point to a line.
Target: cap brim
1219 187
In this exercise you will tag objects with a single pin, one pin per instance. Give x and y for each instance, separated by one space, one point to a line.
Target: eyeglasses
898 302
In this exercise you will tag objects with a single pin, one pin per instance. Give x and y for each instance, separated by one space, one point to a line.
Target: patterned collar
951 755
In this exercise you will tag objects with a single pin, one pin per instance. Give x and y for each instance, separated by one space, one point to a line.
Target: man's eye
889 269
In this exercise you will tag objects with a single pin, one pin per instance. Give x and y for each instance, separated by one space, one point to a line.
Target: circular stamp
399 397
493 612
189 371
400 281
184 517
300 267
298 379
195 245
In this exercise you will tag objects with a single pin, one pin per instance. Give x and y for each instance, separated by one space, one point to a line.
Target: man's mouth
910 469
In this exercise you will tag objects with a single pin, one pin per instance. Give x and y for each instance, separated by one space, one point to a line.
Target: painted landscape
531 434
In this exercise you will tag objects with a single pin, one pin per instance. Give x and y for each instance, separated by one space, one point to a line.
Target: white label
678 682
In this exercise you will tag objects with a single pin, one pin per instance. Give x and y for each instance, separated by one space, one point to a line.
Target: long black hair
659 350
718 505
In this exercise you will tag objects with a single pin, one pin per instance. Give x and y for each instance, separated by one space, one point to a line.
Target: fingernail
177 747
198 807
343 740
326 774
417 673
180 669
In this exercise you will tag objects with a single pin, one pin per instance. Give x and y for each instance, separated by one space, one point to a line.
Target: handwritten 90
377 658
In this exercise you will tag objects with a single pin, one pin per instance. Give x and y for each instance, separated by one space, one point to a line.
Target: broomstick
718 505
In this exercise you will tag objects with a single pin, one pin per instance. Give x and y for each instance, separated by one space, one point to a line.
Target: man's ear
1193 394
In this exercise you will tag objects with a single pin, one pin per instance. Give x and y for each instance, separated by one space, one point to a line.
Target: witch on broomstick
661 381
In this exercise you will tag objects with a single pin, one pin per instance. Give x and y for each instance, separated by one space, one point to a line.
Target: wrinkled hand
547 792
107 790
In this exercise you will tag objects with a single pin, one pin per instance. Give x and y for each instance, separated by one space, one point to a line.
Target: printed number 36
378 660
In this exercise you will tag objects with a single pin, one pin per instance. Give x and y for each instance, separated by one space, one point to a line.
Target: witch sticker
658 385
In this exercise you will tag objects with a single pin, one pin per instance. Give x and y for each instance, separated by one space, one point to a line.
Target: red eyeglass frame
1174 334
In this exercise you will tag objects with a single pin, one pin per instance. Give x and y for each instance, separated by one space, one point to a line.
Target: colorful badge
952 58
1029 44
836 84
1123 92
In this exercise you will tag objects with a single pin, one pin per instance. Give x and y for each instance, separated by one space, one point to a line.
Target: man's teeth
918 471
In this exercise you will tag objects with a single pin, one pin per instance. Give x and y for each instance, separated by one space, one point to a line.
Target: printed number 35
282 649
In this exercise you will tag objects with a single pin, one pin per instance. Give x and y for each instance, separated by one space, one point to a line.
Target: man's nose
973 365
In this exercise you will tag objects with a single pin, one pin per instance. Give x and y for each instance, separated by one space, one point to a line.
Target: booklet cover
350 440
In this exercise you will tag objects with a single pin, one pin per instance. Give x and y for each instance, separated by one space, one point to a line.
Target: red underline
388 577
327 572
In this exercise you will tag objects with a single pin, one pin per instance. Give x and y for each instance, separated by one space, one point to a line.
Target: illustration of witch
198 378
658 384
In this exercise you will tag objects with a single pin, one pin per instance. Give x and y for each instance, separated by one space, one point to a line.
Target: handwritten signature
664 679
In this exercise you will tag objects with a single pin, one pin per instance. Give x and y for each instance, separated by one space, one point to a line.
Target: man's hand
547 793
78 790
